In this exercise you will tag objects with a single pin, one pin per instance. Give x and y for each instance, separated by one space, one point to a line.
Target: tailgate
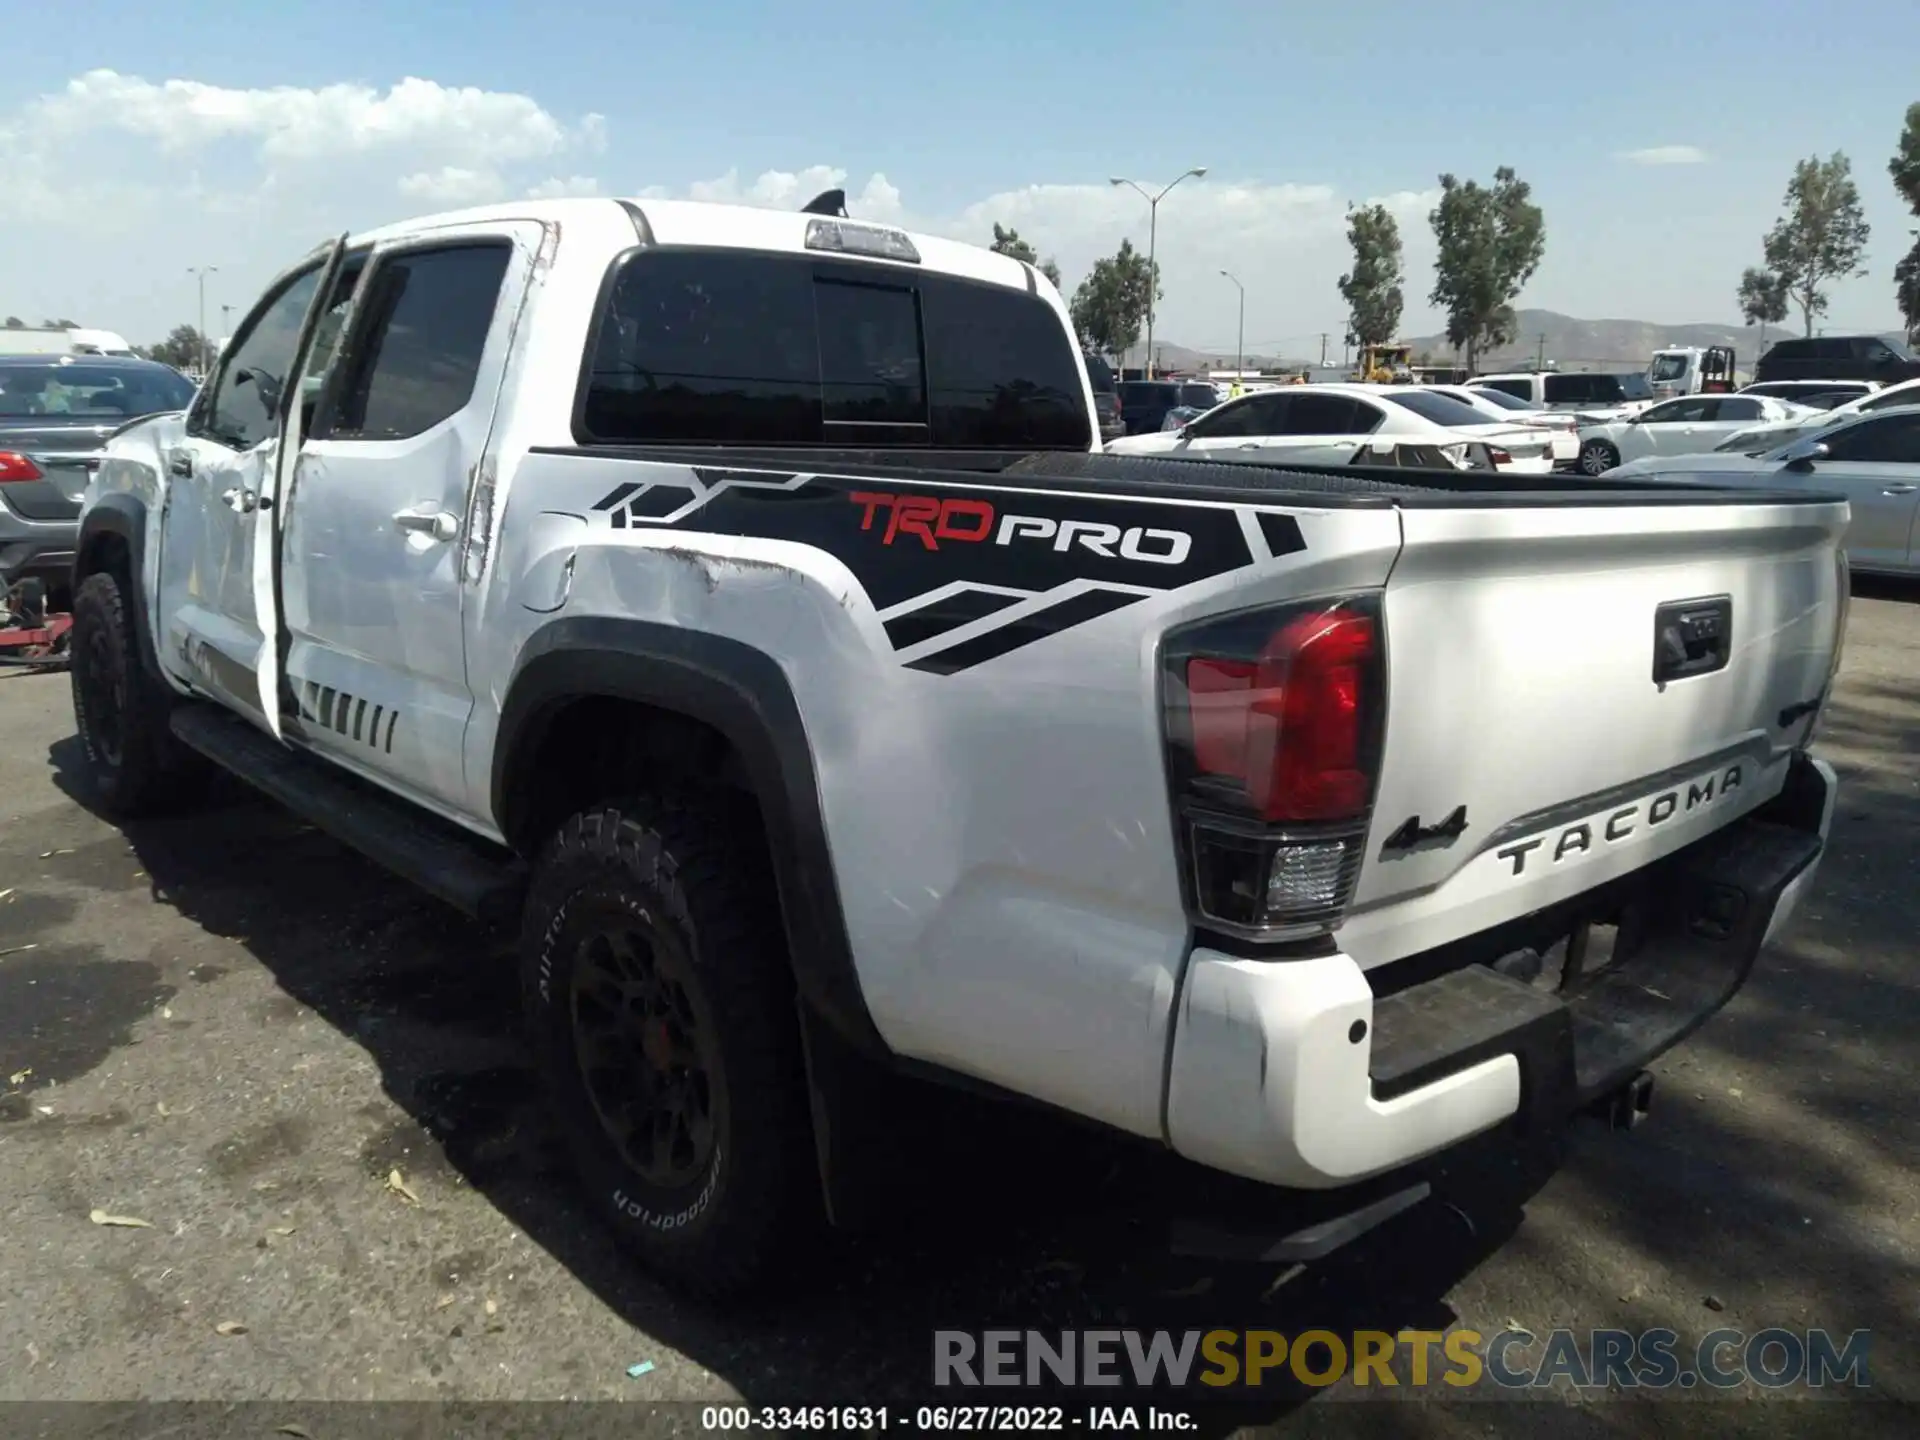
1521 652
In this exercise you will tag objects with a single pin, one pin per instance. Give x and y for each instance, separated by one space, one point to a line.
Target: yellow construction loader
1385 365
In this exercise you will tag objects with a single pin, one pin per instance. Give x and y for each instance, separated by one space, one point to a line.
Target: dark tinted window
412 361
1099 374
1439 409
737 347
242 409
870 373
1505 399
1790 350
1312 414
1205 397
1250 415
1001 368
1519 388
1890 439
1693 408
1738 407
703 346
1829 349
1148 393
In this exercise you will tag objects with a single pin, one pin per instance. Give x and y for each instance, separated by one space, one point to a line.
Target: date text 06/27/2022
940 1418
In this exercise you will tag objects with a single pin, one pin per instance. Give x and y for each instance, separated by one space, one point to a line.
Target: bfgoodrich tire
120 711
660 1010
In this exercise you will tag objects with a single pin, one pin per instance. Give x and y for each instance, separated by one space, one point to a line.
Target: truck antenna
827 202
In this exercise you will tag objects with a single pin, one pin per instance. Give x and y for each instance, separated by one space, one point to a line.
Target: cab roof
707 223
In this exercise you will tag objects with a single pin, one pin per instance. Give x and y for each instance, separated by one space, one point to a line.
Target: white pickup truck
738 601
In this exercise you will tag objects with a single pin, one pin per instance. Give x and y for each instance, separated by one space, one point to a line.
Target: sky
141 141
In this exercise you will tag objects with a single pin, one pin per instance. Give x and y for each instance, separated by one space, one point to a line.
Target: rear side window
1519 389
1569 389
1891 439
413 359
1790 350
750 348
1099 374
1312 414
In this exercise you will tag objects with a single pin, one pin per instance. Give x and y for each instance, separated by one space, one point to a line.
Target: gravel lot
227 1026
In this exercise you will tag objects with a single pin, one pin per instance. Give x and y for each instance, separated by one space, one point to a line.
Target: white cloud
562 187
452 185
1664 155
289 122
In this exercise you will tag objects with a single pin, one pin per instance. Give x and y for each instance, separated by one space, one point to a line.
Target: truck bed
1323 486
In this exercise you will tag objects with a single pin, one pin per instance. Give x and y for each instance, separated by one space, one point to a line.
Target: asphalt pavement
304 1081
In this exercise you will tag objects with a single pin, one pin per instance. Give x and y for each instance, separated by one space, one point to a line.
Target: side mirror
1803 454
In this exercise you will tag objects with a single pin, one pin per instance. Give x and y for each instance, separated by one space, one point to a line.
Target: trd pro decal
933 558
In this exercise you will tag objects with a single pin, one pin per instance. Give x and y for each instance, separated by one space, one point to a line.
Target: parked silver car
55 412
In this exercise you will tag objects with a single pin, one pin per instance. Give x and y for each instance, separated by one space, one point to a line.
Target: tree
1905 169
1763 298
1491 241
1822 235
182 348
1110 306
1372 289
1007 241
14 322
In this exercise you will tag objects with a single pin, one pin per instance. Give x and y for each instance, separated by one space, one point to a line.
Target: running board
485 882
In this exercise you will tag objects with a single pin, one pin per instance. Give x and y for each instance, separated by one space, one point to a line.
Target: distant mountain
1570 343
1587 344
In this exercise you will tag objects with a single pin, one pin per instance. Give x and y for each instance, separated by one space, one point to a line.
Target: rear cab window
743 347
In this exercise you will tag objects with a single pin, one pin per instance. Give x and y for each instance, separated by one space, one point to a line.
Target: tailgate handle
1691 637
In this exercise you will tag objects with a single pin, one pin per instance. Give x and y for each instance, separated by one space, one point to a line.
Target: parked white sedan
1562 429
1873 460
1757 439
1690 425
1329 424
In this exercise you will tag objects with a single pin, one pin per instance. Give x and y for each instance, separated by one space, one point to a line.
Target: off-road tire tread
156 772
717 863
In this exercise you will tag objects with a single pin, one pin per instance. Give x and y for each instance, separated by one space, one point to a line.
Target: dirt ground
228 1027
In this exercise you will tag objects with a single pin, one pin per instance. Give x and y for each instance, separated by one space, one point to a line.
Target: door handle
240 501
1898 490
180 463
1250 445
438 525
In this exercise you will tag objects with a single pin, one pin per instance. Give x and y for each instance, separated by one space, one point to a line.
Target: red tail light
15 467
1499 456
1274 723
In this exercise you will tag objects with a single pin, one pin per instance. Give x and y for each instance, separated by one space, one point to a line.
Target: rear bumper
1293 1072
42 549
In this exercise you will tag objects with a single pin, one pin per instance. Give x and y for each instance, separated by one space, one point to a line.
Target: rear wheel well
104 551
591 748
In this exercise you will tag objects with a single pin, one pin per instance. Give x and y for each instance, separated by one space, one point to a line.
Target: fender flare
744 695
124 517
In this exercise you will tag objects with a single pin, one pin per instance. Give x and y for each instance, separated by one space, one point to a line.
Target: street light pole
201 272
1153 238
1240 345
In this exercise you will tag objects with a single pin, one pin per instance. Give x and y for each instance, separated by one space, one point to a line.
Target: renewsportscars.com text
1455 1360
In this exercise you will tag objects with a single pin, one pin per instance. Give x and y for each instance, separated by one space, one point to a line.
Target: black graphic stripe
1023 631
346 715
948 613
1282 532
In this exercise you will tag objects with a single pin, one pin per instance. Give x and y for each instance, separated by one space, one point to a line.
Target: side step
484 882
